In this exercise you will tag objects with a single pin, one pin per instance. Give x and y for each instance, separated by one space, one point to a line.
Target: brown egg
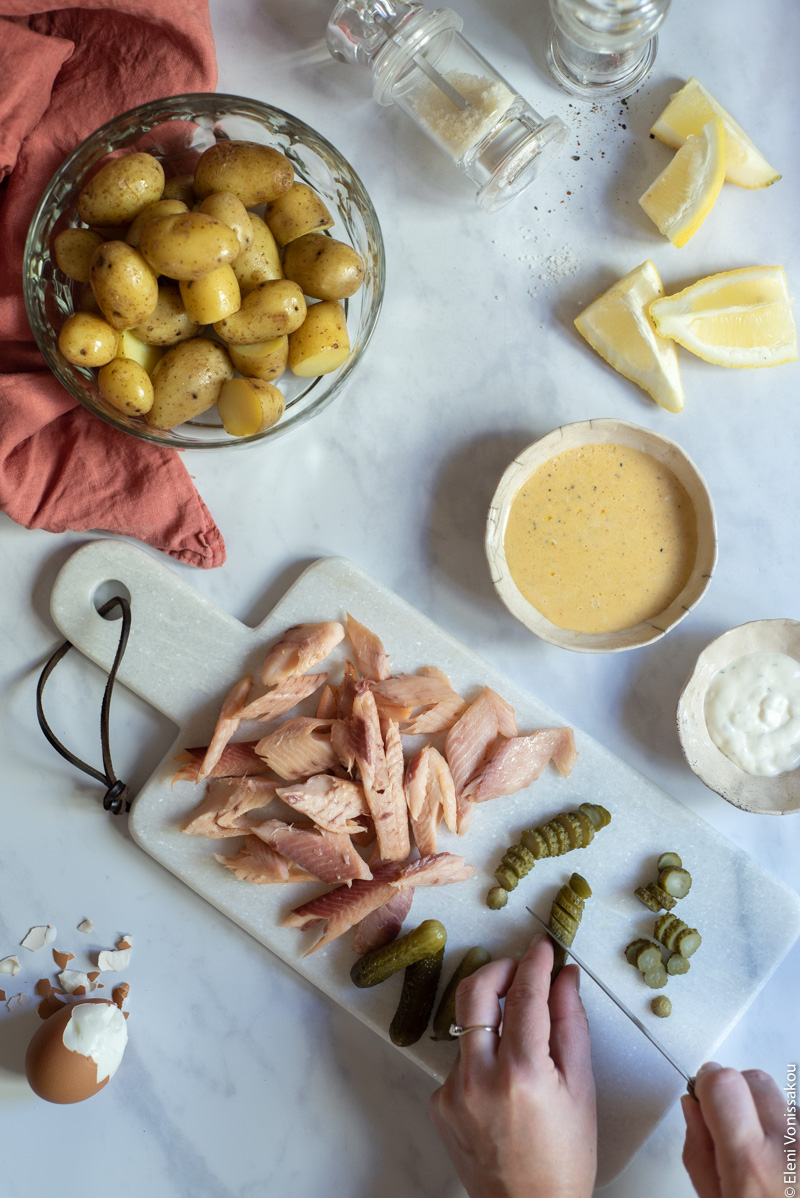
61 1074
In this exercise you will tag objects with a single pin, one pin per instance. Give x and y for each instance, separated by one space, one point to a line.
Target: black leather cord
116 797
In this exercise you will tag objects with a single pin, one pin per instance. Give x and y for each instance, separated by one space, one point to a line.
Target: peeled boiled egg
76 1051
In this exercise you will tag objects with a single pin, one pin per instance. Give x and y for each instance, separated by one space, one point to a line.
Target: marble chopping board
185 652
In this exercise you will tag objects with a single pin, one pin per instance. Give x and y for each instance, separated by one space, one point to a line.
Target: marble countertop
240 1078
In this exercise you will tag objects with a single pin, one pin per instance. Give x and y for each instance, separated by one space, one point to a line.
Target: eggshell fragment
10 965
86 925
38 937
62 960
75 981
63 1074
114 959
17 1002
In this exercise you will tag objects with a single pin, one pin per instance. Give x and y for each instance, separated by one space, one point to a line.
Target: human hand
734 1134
517 1112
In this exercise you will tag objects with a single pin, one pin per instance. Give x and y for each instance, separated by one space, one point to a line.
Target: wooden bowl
572 436
779 795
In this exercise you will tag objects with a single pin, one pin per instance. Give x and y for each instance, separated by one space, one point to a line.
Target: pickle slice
563 925
506 878
586 826
633 949
592 812
562 821
648 958
571 902
675 881
661 896
655 978
532 839
497 898
661 1006
521 858
649 900
688 942
668 861
676 964
581 887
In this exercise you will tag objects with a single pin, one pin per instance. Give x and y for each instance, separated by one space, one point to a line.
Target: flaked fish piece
238 759
299 650
430 794
343 744
347 691
328 703
230 717
369 652
383 789
258 862
519 761
283 697
334 804
414 690
226 800
345 906
329 856
440 717
472 737
384 924
298 748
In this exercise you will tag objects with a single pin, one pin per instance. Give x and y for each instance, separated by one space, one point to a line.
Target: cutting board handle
183 649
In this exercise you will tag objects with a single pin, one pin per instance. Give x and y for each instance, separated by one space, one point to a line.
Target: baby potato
213 297
131 346
161 207
180 187
120 189
169 322
225 206
73 249
261 261
187 381
124 285
87 340
271 310
126 385
321 344
187 246
254 173
326 269
265 360
299 210
249 406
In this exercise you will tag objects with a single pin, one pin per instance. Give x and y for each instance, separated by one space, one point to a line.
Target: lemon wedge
682 196
738 318
693 107
618 326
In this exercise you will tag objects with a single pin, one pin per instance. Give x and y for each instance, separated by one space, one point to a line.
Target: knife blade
626 1010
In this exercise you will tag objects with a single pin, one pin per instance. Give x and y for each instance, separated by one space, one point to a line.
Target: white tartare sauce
752 711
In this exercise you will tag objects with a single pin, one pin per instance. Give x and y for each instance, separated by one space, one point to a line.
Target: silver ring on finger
457 1030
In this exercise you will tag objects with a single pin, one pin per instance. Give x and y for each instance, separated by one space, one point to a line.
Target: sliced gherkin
564 925
586 826
668 860
571 902
532 839
592 812
506 878
633 949
661 895
661 1006
565 832
552 839
676 964
655 978
522 858
497 898
566 921
568 830
649 900
675 881
581 887
688 942
648 958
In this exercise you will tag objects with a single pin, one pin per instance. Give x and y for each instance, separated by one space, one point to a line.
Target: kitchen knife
634 1019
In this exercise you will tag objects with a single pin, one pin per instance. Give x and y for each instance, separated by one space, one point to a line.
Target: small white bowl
593 432
779 795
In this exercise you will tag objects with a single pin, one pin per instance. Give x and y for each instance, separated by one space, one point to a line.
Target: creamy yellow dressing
600 538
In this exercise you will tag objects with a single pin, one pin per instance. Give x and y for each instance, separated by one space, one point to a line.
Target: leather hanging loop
116 797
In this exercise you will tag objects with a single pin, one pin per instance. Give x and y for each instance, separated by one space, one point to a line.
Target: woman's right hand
734 1134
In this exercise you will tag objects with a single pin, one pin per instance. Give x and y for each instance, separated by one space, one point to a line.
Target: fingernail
709 1067
537 938
577 981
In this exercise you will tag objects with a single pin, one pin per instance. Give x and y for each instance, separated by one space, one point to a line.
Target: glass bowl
177 130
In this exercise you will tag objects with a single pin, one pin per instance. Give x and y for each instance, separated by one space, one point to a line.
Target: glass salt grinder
421 63
603 49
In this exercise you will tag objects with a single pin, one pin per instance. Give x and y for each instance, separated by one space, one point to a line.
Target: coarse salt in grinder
421 63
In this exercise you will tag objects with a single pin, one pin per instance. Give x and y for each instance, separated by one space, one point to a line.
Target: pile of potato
165 258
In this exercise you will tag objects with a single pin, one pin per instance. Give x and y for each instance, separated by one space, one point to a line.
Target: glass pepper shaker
603 49
420 62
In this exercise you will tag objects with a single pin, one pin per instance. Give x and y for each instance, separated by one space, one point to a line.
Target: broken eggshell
778 795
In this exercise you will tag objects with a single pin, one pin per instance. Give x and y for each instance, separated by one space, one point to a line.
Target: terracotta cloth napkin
63 73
